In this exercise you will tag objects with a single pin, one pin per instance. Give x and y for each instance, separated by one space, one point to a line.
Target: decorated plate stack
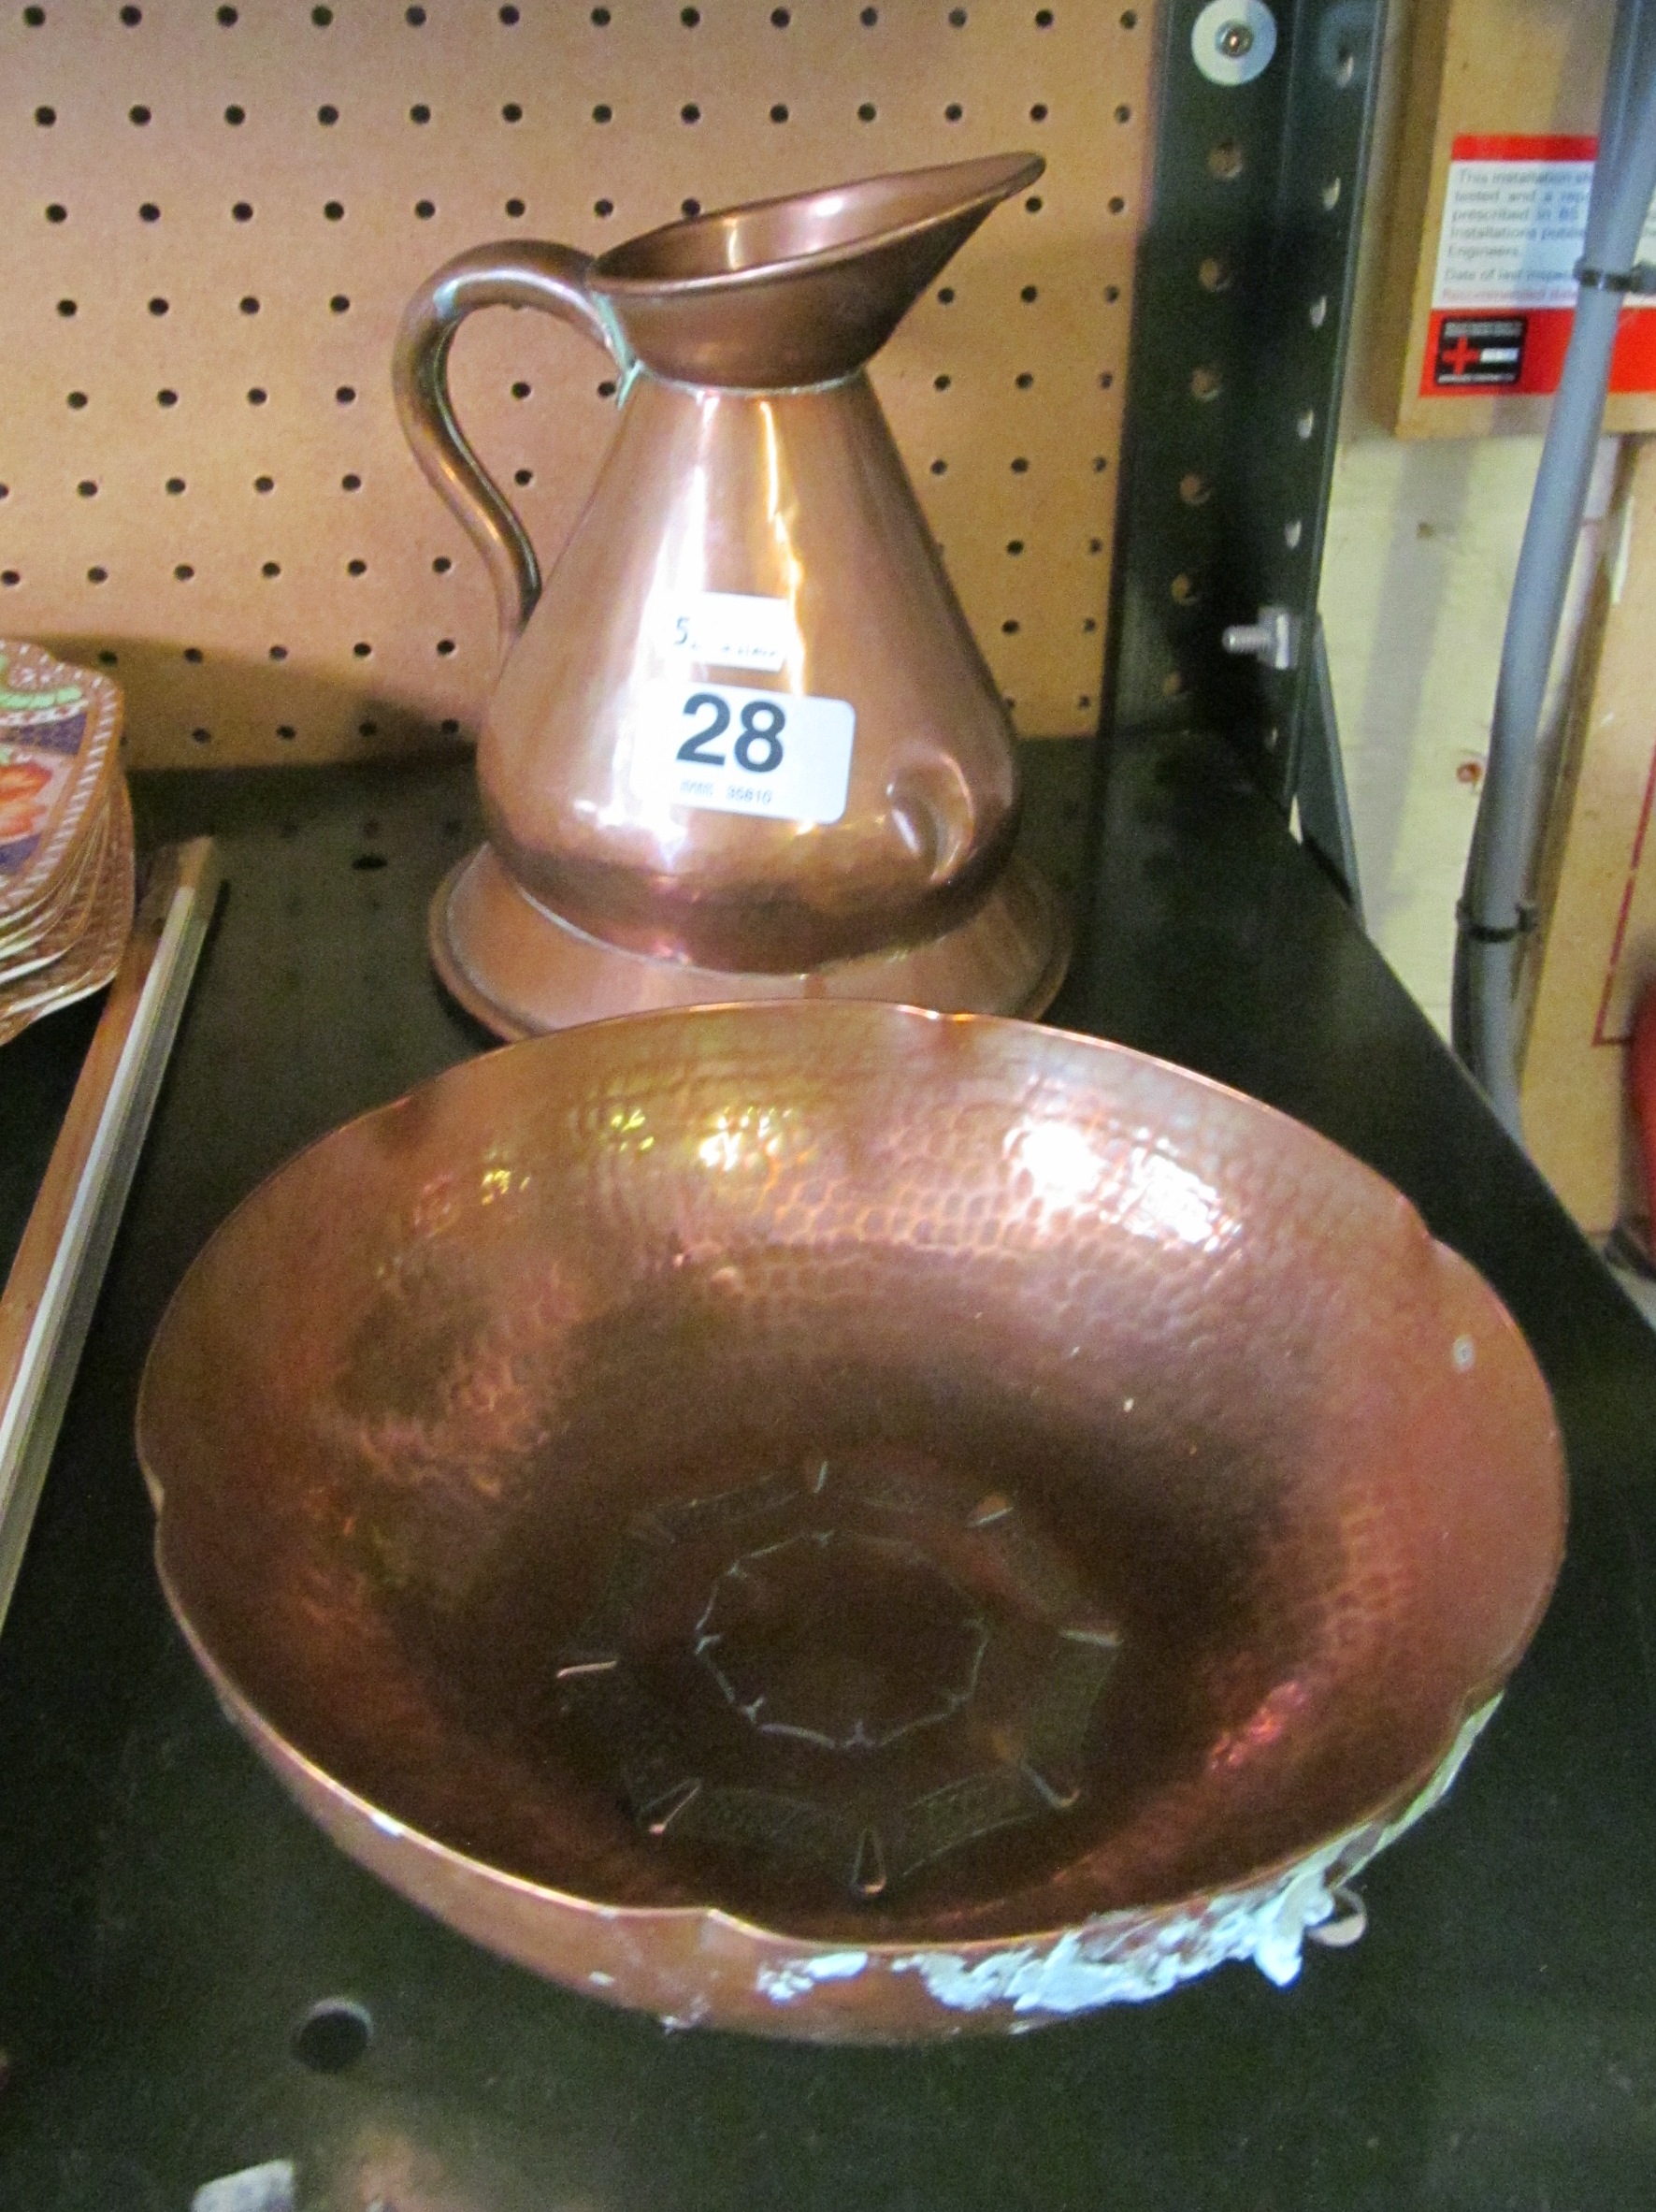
65 835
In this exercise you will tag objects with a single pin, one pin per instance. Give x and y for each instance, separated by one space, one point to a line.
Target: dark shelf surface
166 1918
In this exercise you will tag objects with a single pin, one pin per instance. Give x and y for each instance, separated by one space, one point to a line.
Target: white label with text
772 753
733 629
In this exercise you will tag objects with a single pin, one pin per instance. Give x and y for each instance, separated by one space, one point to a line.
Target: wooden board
1479 68
209 222
1598 903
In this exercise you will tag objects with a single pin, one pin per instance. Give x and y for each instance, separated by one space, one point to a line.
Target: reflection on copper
750 460
704 1498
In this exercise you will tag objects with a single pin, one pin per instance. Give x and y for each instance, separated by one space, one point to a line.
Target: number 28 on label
772 753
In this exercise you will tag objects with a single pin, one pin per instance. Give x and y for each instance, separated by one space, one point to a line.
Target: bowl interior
880 1474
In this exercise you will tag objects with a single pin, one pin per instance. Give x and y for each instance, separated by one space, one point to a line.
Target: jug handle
530 273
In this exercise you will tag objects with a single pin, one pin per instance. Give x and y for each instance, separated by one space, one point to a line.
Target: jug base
520 971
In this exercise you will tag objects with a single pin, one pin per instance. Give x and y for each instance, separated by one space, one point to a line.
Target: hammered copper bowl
848 1521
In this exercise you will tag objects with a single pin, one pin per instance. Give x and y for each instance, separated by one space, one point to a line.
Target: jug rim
1001 175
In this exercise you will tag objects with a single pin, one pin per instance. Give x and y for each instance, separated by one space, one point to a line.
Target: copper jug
743 743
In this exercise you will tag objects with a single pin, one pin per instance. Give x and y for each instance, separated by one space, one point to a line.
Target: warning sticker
1503 294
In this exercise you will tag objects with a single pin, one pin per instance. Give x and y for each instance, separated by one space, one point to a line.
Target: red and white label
1503 294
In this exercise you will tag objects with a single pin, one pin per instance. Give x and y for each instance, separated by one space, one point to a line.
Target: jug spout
797 292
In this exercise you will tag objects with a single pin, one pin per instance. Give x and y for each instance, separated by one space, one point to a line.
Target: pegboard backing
213 215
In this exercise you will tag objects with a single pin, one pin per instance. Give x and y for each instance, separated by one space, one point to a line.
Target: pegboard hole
942 384
279 652
1225 161
1044 18
195 656
1088 624
779 113
235 116
601 16
450 725
946 295
264 483
242 211
1033 205
322 17
1015 547
689 17
953 112
149 212
780 17
249 305
523 476
271 567
346 395
866 112
175 485
368 730
362 649
327 116
1194 489
957 17
10 578
140 115
445 646
602 208
286 731
1129 20
1124 113
1020 467
689 112
512 112
940 468
1024 380
159 306
1205 384
185 572
131 15
442 565
419 113
1116 204
67 307
257 395
350 484
356 568
516 208
424 209
1038 113
688 209
227 16
97 575
1028 295
87 488
334 2034
340 304
606 389
1011 626
520 390
34 16
334 210
46 117
869 17
202 737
